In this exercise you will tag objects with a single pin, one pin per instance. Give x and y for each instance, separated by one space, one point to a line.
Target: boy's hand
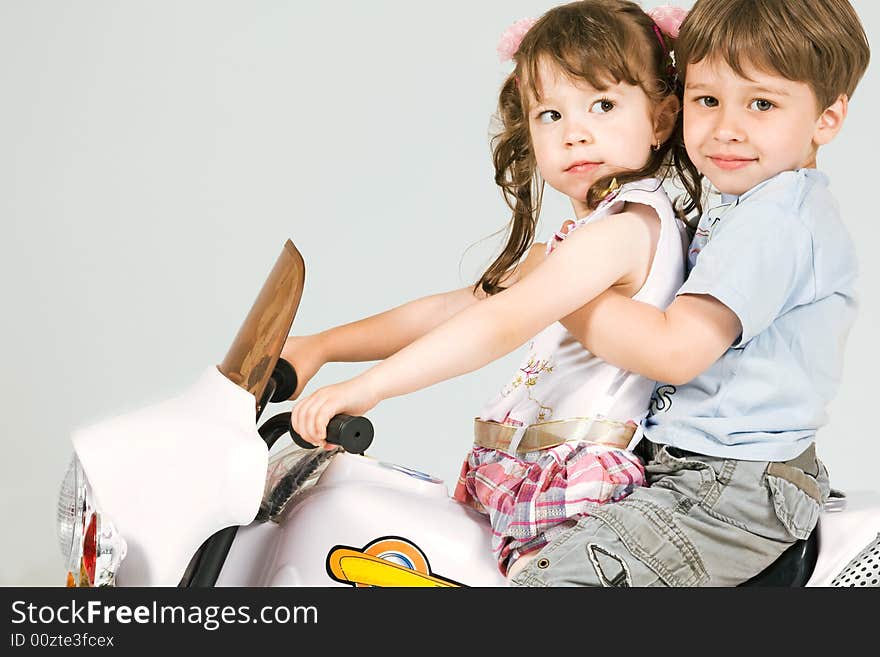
305 354
311 415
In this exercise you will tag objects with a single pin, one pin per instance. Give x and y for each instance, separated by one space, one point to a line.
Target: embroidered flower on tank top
528 377
529 374
545 413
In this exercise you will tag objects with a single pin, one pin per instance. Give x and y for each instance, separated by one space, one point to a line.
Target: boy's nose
728 127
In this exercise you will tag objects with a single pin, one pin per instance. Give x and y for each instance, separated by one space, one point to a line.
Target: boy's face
741 131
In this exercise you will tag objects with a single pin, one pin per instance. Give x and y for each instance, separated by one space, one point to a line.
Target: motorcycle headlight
90 544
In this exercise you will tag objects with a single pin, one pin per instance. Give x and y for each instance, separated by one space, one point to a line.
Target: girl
589 109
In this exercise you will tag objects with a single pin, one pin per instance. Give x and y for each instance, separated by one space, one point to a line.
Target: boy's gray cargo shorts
702 521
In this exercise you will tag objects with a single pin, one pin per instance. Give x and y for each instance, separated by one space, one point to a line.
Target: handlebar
353 433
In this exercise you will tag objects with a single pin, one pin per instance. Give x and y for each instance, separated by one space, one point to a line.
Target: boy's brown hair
819 42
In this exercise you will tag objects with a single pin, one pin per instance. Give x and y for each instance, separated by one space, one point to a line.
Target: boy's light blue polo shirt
781 259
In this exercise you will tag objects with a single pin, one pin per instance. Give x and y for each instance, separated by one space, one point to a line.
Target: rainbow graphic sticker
387 561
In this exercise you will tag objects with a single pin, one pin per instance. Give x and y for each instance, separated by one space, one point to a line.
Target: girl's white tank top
559 379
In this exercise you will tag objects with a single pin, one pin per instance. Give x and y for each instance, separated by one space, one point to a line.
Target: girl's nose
576 133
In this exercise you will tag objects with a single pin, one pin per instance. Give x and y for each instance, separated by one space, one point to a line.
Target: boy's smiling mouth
731 162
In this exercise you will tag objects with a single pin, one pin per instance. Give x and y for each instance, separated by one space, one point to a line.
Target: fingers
319 420
305 419
310 417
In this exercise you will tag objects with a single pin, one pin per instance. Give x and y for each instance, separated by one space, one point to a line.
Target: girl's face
740 131
580 134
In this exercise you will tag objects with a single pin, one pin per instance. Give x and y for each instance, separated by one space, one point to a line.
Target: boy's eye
549 116
761 105
602 106
708 101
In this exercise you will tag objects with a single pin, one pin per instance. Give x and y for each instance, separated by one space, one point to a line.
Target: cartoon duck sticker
386 561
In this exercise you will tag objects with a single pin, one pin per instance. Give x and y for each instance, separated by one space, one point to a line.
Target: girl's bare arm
602 254
589 261
379 336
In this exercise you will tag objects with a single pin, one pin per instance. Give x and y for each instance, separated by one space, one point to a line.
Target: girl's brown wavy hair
602 42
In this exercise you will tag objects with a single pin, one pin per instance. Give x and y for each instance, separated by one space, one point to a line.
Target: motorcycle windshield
254 352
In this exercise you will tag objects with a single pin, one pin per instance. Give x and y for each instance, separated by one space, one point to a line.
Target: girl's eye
602 106
761 105
549 116
708 101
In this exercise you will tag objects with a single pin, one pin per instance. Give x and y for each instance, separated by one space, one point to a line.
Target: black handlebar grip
353 433
285 381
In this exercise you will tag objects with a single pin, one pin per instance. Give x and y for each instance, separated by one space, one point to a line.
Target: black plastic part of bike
353 433
211 558
794 568
275 427
285 381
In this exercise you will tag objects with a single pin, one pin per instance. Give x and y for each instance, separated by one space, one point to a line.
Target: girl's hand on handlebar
304 353
311 415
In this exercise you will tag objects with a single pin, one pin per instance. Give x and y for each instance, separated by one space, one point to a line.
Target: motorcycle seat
794 568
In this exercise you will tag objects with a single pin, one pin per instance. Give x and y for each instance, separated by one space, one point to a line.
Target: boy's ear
665 115
831 120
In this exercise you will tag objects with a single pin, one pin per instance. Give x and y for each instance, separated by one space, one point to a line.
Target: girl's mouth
582 167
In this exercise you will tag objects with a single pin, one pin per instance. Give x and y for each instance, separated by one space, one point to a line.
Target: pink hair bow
668 18
512 37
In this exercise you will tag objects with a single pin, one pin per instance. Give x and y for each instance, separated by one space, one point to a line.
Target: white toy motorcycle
183 493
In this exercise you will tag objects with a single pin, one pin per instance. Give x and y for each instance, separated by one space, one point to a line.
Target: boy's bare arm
639 337
672 346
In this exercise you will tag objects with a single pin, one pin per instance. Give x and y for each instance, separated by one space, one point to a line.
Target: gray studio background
155 155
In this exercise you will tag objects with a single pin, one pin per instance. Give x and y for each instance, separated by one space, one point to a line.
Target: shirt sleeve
758 262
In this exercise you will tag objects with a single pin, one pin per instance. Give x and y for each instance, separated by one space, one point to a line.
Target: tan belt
544 435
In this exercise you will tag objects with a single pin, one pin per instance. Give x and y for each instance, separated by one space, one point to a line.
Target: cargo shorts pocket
797 495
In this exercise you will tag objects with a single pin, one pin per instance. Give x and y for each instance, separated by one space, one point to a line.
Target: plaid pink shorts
531 498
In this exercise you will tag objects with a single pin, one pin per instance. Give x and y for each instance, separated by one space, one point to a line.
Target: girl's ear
831 120
665 115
